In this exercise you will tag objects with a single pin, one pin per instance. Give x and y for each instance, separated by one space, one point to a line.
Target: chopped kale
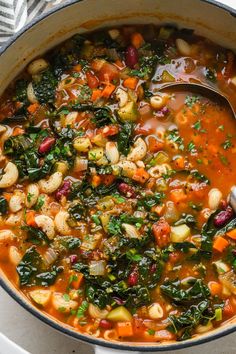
124 138
44 89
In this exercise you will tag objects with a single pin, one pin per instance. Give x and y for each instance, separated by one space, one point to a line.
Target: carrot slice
137 40
232 234
125 329
220 244
130 82
96 181
30 218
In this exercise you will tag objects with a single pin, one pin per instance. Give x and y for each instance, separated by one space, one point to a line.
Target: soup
114 194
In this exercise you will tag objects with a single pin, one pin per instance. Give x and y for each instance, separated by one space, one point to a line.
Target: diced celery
218 314
119 314
179 233
95 154
161 158
129 112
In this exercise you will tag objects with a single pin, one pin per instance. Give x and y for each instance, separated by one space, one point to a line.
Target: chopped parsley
190 101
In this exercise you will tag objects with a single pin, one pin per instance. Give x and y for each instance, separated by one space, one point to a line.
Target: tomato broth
115 215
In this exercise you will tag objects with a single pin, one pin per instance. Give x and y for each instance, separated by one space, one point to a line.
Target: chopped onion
97 268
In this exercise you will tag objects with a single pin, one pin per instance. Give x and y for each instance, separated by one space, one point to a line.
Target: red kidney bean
46 145
153 268
126 190
64 190
133 278
105 324
73 258
131 56
223 217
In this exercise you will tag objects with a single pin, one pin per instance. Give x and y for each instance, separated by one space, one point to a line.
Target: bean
46 145
64 190
223 217
126 190
131 57
105 324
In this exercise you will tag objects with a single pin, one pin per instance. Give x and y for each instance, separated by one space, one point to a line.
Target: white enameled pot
207 17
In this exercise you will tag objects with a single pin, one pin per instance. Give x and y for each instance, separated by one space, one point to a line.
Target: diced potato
82 144
95 154
63 305
179 233
41 297
61 167
129 112
120 313
99 140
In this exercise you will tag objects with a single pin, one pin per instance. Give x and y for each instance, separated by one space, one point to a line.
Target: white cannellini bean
155 311
131 231
6 236
37 66
128 168
112 152
139 150
61 223
214 198
32 193
14 255
46 224
159 101
183 47
16 202
95 312
10 175
52 184
30 93
59 302
122 97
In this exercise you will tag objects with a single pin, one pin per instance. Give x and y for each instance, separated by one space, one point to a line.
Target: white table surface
37 338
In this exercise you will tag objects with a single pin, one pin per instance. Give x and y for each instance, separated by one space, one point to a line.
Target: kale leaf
148 201
44 89
124 138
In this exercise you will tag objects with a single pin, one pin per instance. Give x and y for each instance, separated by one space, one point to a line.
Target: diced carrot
140 175
77 280
220 244
30 218
96 95
107 91
215 288
232 234
96 181
130 82
33 108
158 209
77 68
18 131
178 196
154 144
137 40
125 329
107 179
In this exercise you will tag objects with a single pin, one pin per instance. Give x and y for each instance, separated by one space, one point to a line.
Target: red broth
114 196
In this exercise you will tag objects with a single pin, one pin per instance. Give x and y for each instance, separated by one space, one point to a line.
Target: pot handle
103 350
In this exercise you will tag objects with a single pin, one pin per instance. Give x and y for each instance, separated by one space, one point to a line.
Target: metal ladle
210 92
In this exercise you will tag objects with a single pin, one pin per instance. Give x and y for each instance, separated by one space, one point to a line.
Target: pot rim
56 324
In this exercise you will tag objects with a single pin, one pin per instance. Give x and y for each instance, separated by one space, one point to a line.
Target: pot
207 17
